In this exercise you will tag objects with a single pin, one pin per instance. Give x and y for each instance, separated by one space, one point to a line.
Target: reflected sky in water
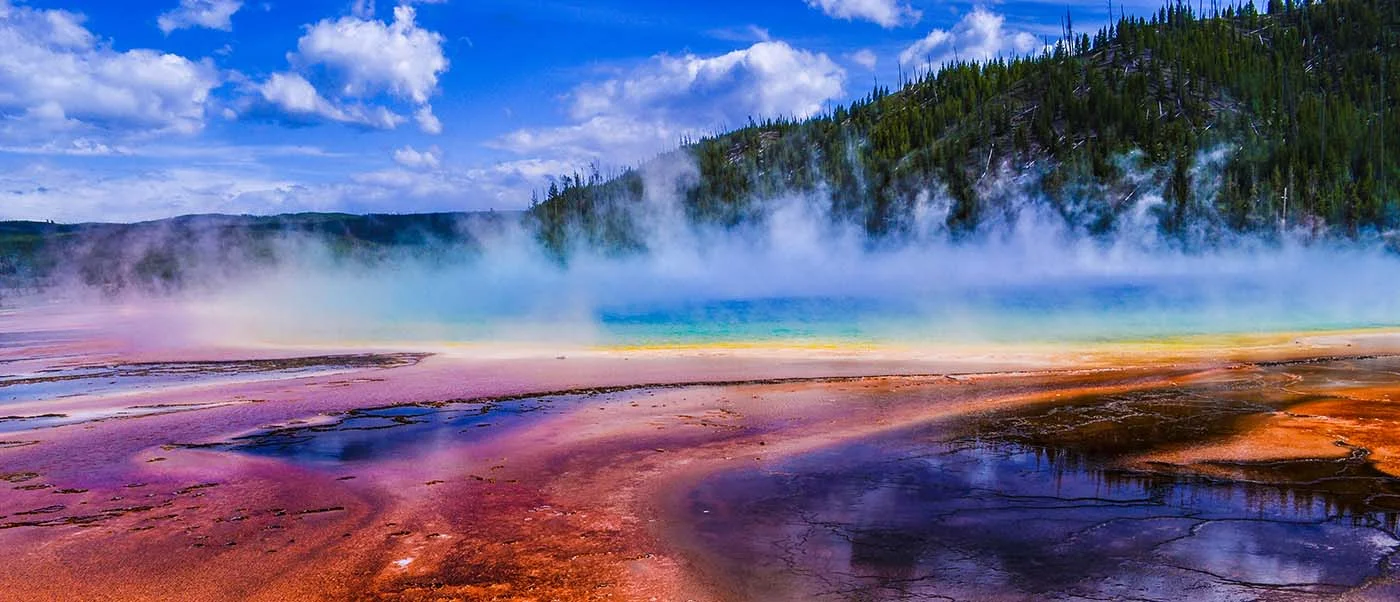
971 520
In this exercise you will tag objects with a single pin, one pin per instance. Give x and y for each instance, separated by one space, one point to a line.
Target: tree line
1297 103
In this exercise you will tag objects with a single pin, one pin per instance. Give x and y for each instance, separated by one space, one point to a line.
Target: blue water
400 432
888 520
1109 312
866 302
1045 502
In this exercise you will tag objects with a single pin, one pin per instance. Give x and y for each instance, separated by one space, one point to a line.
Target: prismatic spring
439 300
147 459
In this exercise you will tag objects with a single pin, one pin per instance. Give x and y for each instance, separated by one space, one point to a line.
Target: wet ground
977 521
1053 502
1076 484
393 433
70 383
1050 500
81 380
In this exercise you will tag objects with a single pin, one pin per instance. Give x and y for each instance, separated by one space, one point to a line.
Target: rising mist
796 274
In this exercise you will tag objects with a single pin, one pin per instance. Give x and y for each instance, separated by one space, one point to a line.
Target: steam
797 274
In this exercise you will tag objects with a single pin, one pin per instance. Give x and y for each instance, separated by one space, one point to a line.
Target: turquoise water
1028 315
1119 312
914 299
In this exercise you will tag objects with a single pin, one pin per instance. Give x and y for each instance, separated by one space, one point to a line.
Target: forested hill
1239 121
174 253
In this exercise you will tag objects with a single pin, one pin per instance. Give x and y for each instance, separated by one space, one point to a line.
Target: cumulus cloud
369 57
365 58
865 58
56 75
211 14
887 13
427 121
766 79
297 99
359 71
980 35
363 9
646 109
415 159
615 139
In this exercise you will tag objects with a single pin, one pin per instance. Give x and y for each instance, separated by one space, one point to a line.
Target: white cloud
887 13
293 93
296 98
363 67
178 150
415 159
369 57
503 186
211 14
747 34
427 121
363 9
865 58
41 192
767 79
979 36
64 195
615 139
649 108
78 147
56 75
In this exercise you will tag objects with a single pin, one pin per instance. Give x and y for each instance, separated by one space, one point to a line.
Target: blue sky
143 109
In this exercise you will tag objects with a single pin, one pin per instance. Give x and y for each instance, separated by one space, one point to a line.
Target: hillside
1240 122
172 253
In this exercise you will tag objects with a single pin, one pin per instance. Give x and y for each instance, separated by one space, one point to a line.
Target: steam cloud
798 274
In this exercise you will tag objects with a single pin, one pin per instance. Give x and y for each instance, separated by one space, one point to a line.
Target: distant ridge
174 252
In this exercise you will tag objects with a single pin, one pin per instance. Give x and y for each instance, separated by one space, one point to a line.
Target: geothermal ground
1212 469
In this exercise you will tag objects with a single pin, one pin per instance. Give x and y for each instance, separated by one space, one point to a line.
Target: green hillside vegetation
1301 98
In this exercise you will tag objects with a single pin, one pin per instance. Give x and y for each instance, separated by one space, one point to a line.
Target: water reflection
396 432
1032 504
972 519
1040 503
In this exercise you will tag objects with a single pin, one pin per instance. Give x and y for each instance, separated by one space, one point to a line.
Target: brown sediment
1344 409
